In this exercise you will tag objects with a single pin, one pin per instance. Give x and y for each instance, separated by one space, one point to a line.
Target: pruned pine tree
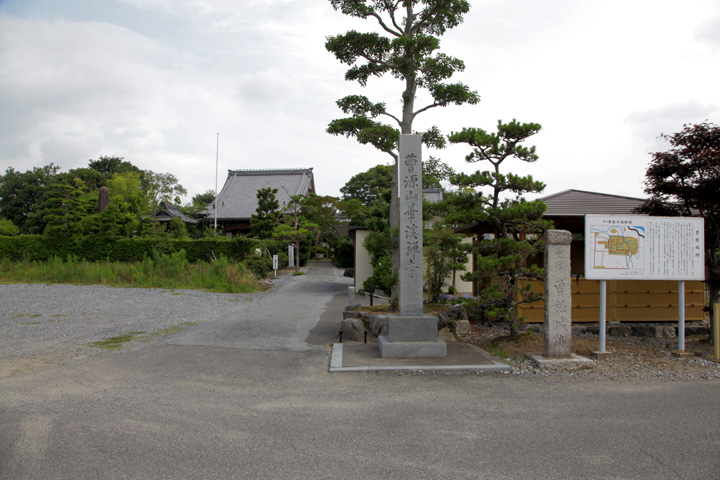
267 215
295 229
406 48
494 199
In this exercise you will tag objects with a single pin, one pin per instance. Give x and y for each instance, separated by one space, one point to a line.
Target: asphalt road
249 396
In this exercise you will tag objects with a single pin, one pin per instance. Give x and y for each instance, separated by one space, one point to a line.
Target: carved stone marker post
411 334
558 304
103 199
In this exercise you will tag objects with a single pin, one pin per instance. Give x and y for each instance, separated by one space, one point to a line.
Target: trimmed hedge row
42 247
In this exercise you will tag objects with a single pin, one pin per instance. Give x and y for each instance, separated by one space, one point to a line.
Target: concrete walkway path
250 397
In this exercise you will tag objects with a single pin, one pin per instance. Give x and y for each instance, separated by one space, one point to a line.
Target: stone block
670 332
696 330
388 349
645 330
462 327
411 328
593 329
376 324
619 331
351 314
353 330
446 335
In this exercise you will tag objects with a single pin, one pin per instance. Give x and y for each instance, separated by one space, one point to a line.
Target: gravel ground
61 321
46 325
633 358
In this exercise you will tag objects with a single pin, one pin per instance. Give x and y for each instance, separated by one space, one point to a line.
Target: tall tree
320 211
407 50
444 256
501 258
368 186
19 191
110 166
295 228
267 216
203 199
685 181
161 187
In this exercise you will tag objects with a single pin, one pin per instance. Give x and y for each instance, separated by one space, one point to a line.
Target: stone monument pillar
558 304
410 334
103 199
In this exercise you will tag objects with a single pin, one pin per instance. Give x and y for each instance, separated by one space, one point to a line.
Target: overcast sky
154 81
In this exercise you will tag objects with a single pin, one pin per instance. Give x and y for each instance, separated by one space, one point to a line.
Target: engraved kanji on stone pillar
410 276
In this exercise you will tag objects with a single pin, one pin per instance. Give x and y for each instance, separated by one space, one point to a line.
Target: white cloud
157 85
669 119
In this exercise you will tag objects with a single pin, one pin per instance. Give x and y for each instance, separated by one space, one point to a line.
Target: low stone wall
654 330
452 324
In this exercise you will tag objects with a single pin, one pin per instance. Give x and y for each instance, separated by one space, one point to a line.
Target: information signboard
636 247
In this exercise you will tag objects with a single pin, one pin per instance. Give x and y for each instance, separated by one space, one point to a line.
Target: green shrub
7 228
259 266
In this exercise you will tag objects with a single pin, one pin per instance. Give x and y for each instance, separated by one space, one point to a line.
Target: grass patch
115 343
496 350
165 332
162 271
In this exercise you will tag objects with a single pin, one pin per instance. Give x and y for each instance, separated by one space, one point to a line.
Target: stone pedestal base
407 336
601 355
683 354
438 348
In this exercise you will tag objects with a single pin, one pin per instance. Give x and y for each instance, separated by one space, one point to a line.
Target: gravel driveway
246 393
62 320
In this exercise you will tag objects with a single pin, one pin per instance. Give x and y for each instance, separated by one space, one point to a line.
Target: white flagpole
217 152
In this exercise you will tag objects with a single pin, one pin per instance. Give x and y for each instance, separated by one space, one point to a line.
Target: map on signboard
640 247
617 247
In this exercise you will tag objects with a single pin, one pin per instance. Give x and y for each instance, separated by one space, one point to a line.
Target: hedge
42 247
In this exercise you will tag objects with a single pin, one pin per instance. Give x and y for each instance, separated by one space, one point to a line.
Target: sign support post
634 247
603 316
681 317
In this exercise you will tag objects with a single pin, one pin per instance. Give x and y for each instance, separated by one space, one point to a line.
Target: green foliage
353 211
409 52
161 271
379 245
319 211
20 191
65 203
260 266
343 253
110 166
160 187
296 231
94 248
60 210
177 229
198 204
512 225
7 228
267 217
444 255
368 186
685 181
204 199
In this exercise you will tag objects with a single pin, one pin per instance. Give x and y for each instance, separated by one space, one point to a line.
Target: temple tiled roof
238 198
166 211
